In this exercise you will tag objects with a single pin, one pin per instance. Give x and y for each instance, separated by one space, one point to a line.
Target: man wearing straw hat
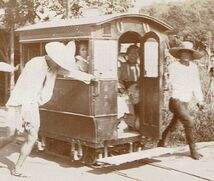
34 88
184 81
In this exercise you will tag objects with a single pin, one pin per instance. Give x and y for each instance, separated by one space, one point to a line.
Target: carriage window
105 58
107 29
151 58
31 50
82 56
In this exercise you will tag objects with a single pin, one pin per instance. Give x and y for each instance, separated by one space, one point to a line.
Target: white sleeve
47 90
27 84
197 86
171 75
81 76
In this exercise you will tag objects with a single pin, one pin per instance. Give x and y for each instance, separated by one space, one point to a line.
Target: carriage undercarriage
109 152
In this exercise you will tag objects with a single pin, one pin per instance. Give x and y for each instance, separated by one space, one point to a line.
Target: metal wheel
90 155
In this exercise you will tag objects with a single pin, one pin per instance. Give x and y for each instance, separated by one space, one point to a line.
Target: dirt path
174 167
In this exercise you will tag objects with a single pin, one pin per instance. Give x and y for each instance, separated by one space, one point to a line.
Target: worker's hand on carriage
94 79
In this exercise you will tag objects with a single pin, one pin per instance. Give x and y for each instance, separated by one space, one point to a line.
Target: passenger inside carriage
128 89
82 58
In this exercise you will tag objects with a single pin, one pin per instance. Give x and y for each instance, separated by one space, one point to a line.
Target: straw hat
188 46
62 54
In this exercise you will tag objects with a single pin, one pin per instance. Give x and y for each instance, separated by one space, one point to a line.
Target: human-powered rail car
82 118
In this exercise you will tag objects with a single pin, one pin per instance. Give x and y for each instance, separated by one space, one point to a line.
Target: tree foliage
22 12
191 18
17 12
109 6
46 10
105 6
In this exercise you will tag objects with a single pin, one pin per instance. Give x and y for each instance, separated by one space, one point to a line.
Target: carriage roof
91 21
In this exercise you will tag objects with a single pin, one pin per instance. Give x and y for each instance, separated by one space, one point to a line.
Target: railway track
115 169
118 172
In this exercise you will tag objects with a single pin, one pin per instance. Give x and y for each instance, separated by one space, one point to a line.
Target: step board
129 157
127 134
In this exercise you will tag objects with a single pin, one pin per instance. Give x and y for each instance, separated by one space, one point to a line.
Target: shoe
195 155
19 174
193 151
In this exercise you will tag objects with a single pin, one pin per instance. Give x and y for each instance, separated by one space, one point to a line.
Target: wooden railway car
82 118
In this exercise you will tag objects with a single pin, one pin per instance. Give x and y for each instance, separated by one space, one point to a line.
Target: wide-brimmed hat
187 46
62 54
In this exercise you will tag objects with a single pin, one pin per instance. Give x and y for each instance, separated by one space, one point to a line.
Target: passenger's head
132 53
82 49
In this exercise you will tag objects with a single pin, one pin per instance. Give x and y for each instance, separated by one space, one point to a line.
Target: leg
189 137
168 129
4 141
31 124
13 119
27 148
130 117
188 123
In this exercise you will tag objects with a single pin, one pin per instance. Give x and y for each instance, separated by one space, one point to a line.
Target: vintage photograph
104 90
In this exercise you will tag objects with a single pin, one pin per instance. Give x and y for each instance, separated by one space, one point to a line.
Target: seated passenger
77 74
129 74
82 59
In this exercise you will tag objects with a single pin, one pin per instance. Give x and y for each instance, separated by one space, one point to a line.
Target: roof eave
105 19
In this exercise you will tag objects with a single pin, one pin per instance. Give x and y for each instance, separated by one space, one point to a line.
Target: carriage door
150 86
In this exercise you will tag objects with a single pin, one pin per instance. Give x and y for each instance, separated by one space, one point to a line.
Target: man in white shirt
34 88
184 81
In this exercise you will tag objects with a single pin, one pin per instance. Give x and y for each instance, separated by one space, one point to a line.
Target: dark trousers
180 113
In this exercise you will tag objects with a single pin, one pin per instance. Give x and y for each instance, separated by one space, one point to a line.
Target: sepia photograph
104 90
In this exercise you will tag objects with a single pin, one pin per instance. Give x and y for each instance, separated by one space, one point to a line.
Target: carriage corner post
85 113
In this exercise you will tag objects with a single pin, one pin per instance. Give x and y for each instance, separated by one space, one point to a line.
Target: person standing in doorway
129 75
184 81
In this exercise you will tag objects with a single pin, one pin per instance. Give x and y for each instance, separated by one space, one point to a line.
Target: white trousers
24 117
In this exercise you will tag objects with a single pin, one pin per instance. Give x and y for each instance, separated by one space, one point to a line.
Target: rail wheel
90 155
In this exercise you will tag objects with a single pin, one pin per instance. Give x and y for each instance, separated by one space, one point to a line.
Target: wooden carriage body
87 114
